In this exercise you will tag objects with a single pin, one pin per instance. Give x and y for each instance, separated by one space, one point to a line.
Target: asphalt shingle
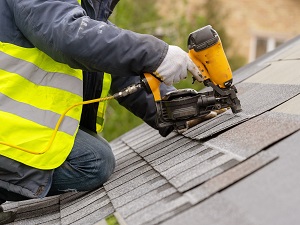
86 209
177 156
38 211
282 72
132 184
215 210
199 170
137 193
271 195
254 98
147 199
230 176
160 210
256 134
186 165
290 107
205 176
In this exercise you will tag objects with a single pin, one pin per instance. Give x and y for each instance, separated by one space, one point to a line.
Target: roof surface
232 169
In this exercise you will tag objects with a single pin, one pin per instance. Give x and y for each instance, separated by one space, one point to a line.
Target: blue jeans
89 165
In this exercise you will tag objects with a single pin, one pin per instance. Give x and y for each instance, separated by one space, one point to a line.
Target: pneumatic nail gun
180 106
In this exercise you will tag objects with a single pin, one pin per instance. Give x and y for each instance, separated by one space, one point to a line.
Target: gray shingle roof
232 169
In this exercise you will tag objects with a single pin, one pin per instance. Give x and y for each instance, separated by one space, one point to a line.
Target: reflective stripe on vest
103 105
34 91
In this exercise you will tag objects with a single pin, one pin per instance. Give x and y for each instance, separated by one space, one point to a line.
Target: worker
53 54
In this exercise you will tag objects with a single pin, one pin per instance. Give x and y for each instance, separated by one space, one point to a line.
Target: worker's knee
89 165
101 164
104 164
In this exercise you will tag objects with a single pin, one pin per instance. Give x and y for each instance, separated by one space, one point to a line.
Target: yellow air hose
123 93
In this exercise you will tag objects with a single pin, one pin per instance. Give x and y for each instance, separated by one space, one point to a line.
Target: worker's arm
141 103
62 30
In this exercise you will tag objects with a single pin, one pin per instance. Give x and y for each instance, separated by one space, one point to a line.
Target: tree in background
142 17
137 16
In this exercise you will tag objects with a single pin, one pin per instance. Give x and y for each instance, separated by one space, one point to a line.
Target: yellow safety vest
34 91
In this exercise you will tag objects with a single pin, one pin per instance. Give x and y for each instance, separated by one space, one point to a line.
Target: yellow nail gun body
206 51
180 106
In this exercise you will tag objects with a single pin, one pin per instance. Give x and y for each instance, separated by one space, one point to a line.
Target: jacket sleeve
62 30
141 103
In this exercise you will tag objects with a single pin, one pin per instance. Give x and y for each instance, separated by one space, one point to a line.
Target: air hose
129 90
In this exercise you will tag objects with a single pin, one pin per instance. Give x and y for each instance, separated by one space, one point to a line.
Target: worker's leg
89 165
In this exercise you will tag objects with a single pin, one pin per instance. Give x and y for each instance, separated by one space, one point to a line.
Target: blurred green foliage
142 17
112 220
137 16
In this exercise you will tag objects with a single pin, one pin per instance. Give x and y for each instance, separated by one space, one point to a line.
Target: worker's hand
175 66
211 115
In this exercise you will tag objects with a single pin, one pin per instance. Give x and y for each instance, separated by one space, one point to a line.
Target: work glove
175 67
